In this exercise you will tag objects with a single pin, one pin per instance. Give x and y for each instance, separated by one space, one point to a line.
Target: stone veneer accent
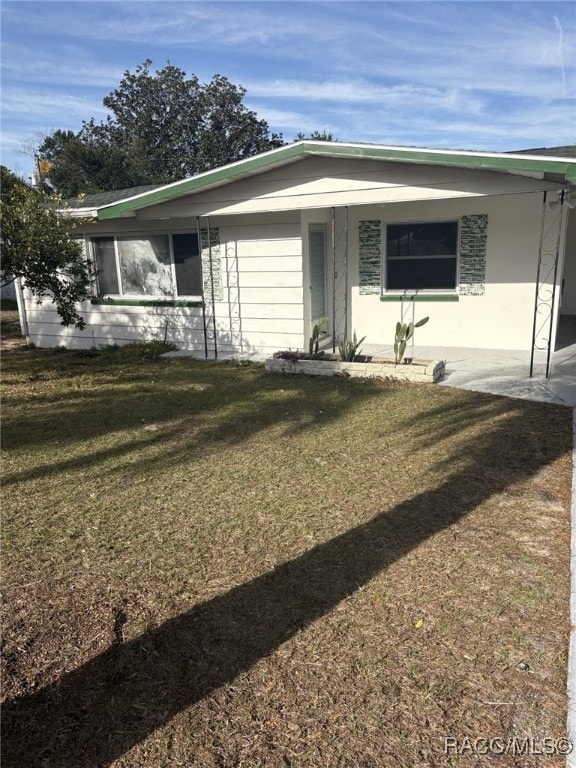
216 263
473 239
370 251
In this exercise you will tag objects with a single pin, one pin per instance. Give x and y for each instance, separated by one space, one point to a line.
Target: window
163 266
421 256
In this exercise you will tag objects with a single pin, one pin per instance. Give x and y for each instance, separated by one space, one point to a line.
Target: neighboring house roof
555 168
98 199
567 151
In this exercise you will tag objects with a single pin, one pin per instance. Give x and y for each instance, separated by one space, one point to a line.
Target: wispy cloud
70 65
362 92
41 105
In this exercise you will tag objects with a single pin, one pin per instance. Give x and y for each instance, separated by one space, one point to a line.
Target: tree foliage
74 165
315 136
162 127
36 247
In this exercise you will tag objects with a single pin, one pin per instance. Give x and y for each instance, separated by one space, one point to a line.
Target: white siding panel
248 229
271 264
267 311
272 325
270 280
124 332
138 317
269 248
274 341
265 296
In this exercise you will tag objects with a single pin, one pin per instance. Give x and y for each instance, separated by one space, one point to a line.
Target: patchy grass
10 332
208 566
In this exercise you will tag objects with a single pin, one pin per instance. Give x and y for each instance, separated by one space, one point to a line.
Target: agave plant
349 349
404 333
319 330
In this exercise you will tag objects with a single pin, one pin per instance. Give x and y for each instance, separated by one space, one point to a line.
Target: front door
317 250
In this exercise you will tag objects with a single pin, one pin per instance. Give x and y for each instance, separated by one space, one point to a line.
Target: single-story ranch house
247 257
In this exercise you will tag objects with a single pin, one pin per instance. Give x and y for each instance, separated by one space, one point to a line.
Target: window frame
133 297
420 291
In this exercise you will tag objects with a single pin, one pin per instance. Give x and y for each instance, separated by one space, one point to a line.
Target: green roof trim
474 160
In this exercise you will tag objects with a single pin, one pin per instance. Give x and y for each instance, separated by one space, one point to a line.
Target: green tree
315 136
74 165
163 127
36 247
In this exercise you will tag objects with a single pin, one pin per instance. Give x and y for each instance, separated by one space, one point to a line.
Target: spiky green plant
349 348
404 333
314 345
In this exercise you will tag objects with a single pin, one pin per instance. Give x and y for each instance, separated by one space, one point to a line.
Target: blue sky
493 76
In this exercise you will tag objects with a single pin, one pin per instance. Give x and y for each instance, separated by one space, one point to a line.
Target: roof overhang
560 170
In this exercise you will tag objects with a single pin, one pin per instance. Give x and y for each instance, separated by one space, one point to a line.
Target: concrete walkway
501 372
497 372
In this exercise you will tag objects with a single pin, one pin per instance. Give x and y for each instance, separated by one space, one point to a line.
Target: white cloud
362 92
69 65
285 121
42 105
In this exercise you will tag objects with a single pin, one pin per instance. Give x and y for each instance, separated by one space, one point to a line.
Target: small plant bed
351 363
364 366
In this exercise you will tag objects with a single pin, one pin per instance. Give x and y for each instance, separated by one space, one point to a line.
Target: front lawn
207 566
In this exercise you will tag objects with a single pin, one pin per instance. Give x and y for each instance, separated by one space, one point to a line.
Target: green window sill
146 302
420 297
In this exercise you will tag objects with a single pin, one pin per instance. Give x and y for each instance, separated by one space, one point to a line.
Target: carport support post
547 300
333 222
346 236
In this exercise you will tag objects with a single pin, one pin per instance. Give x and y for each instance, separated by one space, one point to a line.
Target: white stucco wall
499 319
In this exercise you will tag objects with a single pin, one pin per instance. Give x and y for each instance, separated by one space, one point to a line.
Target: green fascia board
146 302
420 297
299 150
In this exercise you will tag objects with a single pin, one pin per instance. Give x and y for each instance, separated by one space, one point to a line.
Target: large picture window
421 256
163 266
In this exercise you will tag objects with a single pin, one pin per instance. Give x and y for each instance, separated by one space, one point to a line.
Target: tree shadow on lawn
96 713
189 413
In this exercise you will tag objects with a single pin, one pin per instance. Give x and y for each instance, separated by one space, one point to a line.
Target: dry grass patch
208 566
10 333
